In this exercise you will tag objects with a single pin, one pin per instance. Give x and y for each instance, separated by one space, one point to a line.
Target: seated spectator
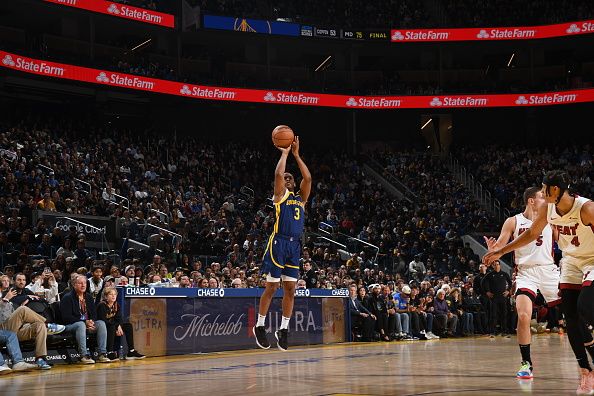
27 325
4 283
402 317
446 321
109 312
45 286
361 317
184 281
66 250
457 308
300 284
79 314
203 283
11 341
95 283
379 310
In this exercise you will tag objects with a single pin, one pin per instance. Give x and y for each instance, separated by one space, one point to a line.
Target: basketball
282 136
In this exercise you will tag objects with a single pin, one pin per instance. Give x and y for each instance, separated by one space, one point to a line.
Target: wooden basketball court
475 366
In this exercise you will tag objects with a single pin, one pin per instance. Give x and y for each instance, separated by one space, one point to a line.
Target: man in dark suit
361 317
79 314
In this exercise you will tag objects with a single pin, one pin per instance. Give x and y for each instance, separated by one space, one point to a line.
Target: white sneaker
433 336
4 369
22 366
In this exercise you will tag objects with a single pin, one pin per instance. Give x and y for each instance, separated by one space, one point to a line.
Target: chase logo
8 61
113 9
210 293
482 34
573 28
102 77
302 292
521 100
185 90
397 36
140 291
351 102
340 292
435 102
269 97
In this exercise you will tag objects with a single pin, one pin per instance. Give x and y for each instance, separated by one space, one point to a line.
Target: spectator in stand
362 318
110 313
79 314
95 283
309 275
10 340
446 321
184 281
474 305
402 318
45 286
465 319
416 268
27 325
377 305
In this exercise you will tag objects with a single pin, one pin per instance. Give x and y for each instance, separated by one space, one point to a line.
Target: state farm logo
113 9
397 36
8 61
102 77
269 97
482 34
573 28
351 102
521 100
185 90
435 102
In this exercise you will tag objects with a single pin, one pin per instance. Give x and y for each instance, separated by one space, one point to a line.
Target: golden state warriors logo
242 25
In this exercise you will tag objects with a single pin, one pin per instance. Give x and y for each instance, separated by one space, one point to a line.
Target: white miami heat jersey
537 252
575 238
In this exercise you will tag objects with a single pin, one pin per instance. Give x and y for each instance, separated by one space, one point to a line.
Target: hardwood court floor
476 366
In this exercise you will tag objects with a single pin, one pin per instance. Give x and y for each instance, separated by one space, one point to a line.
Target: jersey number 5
297 214
539 241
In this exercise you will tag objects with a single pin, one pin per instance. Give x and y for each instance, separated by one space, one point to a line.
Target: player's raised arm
305 187
507 230
587 214
279 174
538 224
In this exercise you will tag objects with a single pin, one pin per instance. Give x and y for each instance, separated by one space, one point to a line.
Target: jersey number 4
297 214
575 241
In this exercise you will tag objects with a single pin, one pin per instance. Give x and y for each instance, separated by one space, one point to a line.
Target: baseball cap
405 289
108 278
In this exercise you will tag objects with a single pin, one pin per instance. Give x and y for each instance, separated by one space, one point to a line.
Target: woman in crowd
464 318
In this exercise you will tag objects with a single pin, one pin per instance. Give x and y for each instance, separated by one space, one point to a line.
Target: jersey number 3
297 214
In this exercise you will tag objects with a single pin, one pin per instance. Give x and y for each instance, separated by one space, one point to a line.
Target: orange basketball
282 136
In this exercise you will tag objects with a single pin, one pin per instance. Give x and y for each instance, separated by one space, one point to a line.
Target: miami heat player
535 270
573 218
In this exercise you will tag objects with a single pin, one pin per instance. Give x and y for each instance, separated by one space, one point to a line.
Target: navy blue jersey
290 215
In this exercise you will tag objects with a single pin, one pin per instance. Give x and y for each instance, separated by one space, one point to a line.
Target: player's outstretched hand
492 256
285 150
490 243
295 146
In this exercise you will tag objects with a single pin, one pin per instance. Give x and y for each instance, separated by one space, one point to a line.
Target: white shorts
543 278
575 272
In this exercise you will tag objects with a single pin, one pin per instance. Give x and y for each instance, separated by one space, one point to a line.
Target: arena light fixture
323 63
427 123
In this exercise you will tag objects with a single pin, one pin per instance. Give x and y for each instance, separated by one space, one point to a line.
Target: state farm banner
493 33
141 83
120 10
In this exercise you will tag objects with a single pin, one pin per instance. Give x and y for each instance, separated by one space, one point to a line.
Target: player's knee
524 317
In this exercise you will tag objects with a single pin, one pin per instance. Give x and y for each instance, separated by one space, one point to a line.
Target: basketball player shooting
536 270
572 217
281 259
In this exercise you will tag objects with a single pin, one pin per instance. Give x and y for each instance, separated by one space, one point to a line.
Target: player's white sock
261 319
285 323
